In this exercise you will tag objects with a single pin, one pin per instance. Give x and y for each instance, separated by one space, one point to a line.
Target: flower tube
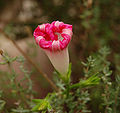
54 39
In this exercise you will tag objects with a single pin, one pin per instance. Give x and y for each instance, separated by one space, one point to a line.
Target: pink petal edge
46 35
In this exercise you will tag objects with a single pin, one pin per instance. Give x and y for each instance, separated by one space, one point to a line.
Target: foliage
21 93
80 95
83 96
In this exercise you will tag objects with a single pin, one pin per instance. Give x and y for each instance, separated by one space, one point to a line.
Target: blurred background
95 23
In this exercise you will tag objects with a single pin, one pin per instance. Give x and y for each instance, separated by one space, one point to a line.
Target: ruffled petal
54 33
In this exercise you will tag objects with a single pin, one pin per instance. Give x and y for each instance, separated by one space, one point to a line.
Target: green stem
69 87
68 90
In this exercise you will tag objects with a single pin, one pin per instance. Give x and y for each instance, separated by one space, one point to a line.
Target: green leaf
13 59
2 104
44 111
91 81
41 104
35 108
37 101
21 110
3 63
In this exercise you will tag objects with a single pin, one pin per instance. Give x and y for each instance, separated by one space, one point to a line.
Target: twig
29 60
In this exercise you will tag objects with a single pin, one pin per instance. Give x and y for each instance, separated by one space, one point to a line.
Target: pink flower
54 39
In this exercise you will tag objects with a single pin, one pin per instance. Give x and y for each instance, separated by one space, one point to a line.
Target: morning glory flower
54 39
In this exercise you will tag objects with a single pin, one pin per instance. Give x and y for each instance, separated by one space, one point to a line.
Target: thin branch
30 60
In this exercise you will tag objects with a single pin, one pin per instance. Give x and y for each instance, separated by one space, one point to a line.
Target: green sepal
60 75
66 77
